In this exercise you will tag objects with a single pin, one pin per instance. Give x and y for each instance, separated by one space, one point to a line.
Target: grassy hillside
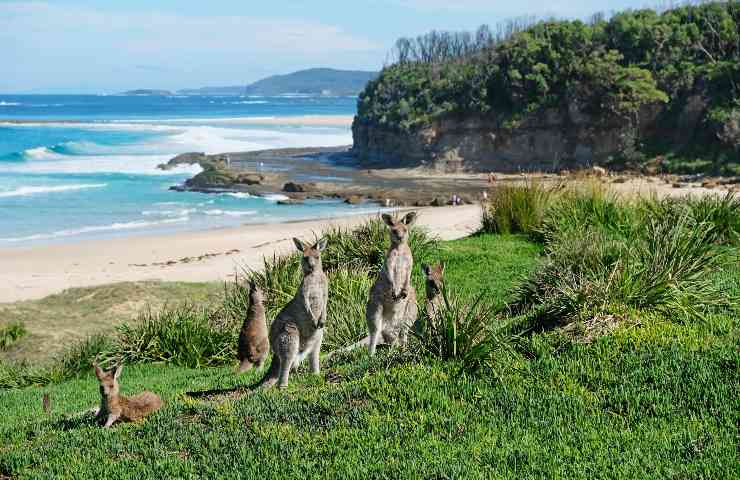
55 322
684 63
652 397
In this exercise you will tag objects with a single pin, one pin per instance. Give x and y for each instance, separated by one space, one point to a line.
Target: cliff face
546 141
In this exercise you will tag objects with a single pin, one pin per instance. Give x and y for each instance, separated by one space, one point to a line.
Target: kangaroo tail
271 377
361 343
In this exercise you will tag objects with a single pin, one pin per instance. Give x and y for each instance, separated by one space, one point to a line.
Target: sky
96 46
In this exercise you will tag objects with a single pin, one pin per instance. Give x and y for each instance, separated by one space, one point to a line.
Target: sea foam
36 190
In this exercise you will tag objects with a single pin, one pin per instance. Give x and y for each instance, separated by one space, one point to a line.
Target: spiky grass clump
721 212
365 246
11 333
348 294
663 267
184 336
455 328
517 208
590 205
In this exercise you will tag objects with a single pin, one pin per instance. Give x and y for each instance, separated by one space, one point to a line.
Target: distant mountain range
314 81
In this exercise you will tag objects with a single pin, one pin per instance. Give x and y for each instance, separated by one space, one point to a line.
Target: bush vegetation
11 333
609 68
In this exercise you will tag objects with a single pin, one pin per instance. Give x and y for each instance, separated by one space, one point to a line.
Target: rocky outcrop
547 141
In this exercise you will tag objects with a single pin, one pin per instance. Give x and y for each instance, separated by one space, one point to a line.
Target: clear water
97 178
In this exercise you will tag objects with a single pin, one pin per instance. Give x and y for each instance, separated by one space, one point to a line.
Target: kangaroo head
255 294
434 279
108 380
399 228
311 260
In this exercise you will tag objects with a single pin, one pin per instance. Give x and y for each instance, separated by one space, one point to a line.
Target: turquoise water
80 167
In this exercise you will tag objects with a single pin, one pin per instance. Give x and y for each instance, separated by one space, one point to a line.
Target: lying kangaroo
434 284
253 342
391 308
298 330
114 407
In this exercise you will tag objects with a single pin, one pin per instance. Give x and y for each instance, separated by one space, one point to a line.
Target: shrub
348 294
721 212
11 333
663 266
455 328
576 208
185 336
516 208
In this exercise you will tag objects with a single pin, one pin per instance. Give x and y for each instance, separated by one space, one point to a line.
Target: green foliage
455 328
185 336
516 208
11 333
608 69
610 257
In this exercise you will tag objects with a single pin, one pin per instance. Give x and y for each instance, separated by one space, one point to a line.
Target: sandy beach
213 255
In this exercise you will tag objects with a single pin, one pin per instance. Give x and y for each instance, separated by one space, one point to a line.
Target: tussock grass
516 208
11 333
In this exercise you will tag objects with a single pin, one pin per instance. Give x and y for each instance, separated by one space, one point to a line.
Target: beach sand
213 255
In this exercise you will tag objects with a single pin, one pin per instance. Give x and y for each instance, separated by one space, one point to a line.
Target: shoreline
309 120
198 256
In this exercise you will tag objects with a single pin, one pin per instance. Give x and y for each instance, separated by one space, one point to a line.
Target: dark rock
294 187
353 200
249 179
290 201
438 202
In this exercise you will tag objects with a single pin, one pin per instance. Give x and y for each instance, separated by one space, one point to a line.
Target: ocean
76 167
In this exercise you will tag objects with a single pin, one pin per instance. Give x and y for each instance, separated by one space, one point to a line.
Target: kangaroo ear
298 244
425 268
321 244
99 372
117 371
410 218
387 219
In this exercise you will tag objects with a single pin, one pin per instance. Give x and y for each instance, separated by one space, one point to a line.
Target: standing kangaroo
434 284
253 343
114 407
391 308
298 329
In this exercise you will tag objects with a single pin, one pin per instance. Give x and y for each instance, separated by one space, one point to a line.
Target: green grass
654 399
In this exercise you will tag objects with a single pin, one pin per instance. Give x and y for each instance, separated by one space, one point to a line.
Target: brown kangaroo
434 285
114 407
253 343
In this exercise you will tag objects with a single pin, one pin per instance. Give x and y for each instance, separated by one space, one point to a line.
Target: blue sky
94 46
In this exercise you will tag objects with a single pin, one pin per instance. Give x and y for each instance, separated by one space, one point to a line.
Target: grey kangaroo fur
115 407
254 344
391 308
298 329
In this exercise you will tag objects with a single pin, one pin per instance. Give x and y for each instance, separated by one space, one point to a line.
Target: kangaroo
391 308
298 329
434 285
253 343
114 407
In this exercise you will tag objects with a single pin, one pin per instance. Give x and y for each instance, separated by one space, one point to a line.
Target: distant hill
144 91
314 81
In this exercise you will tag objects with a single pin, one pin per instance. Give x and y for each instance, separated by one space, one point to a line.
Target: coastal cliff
643 90
548 141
